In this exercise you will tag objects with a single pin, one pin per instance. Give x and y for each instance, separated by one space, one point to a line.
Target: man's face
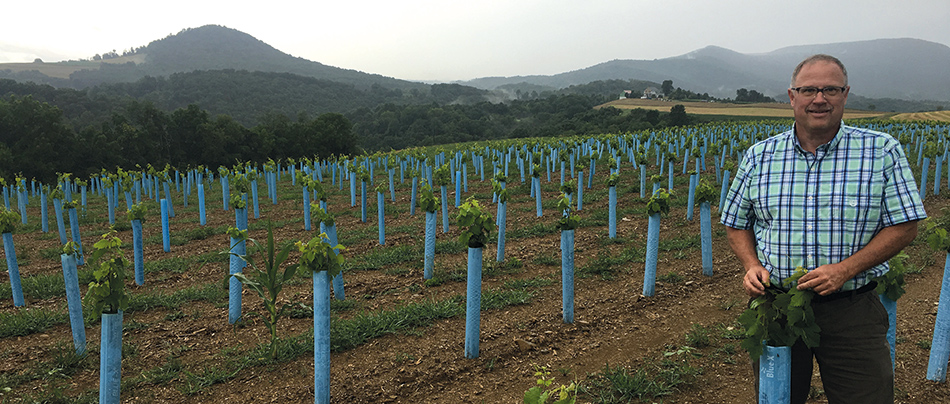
819 115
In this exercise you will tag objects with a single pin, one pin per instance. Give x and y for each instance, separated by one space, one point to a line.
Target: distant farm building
651 93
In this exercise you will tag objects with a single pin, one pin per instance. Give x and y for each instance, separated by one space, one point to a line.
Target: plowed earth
614 324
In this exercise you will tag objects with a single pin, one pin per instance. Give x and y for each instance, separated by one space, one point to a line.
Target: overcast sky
455 40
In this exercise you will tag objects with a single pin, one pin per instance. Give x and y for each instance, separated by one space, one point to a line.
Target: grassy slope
62 70
709 108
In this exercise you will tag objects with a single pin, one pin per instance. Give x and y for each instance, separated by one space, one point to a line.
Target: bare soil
614 324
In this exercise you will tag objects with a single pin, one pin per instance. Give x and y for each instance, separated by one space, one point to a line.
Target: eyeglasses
830 91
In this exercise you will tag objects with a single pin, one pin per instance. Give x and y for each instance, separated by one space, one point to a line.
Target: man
839 201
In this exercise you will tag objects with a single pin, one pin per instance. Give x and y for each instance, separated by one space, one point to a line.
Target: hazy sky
455 40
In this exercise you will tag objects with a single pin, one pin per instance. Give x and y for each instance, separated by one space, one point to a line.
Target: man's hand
825 279
756 279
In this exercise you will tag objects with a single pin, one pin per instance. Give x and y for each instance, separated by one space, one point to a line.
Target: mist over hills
897 69
210 47
908 69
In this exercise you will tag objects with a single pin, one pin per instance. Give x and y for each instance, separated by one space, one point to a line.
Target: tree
678 116
742 95
667 87
37 137
336 133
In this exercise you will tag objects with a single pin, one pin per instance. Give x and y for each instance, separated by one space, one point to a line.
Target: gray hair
819 58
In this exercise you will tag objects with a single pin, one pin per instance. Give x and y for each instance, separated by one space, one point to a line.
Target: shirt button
809 198
809 227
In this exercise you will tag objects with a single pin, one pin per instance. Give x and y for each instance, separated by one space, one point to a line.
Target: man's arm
742 242
885 244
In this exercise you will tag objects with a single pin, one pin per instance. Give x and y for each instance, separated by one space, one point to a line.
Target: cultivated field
398 338
778 110
942 116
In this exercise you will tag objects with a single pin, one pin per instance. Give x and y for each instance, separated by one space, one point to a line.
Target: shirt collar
826 147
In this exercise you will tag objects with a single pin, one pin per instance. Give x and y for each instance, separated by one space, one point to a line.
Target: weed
132 325
66 361
539 229
177 315
604 265
521 284
496 300
397 271
540 393
129 349
547 259
380 257
729 304
649 381
176 265
670 277
168 371
54 394
51 253
195 383
733 331
202 232
404 357
29 321
680 244
698 336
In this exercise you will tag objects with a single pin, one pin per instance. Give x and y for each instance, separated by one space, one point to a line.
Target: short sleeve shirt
810 209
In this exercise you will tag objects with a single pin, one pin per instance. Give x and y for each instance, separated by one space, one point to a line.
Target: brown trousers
854 357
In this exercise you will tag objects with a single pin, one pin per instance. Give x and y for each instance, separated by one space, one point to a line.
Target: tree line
36 141
395 126
221 117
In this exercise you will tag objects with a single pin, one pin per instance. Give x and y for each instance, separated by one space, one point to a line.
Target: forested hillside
37 141
400 126
210 47
186 121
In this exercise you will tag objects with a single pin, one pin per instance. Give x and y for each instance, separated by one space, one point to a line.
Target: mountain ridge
894 68
902 68
209 47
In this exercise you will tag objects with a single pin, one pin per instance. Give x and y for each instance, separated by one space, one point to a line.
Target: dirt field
614 324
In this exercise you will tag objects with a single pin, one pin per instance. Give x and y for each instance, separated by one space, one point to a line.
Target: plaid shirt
810 209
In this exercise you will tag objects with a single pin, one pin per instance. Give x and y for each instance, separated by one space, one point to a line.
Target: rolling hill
886 74
908 69
210 47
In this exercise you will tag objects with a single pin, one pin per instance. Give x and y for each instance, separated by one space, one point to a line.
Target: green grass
194 383
160 375
680 244
607 266
29 321
202 232
349 333
538 229
532 283
208 292
45 286
176 265
670 277
698 336
647 382
380 257
547 259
